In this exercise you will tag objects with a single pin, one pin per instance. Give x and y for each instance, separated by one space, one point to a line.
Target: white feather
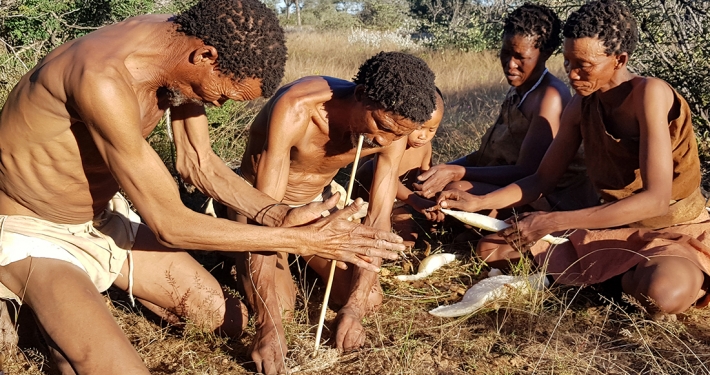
489 290
428 266
493 225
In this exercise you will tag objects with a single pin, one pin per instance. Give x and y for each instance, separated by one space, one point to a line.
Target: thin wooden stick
323 310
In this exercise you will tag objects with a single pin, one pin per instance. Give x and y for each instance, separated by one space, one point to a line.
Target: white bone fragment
492 224
428 266
489 290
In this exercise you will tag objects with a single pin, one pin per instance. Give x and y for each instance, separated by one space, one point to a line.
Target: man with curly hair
72 132
528 121
652 233
297 143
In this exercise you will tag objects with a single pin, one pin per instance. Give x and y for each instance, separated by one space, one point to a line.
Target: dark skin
73 130
297 144
634 106
415 160
522 64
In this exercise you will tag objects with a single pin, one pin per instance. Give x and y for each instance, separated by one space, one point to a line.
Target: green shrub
51 22
675 46
385 15
323 15
463 25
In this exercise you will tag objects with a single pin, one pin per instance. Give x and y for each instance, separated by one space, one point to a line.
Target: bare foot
349 333
268 350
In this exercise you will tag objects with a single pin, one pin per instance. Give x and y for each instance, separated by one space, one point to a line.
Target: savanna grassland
562 330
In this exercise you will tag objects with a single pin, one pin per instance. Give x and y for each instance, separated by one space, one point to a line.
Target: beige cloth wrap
99 247
592 256
501 146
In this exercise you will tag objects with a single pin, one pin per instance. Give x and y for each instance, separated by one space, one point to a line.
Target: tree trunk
298 13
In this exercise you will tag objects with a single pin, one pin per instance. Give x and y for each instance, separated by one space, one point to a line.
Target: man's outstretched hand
334 237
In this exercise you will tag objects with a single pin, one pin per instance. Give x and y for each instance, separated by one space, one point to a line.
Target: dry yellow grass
563 331
471 82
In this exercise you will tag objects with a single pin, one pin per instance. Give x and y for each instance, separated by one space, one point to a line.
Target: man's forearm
200 166
204 232
233 191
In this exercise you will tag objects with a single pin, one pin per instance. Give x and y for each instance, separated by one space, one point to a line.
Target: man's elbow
167 238
166 233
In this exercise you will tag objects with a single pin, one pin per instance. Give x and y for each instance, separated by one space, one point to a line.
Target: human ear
621 60
204 55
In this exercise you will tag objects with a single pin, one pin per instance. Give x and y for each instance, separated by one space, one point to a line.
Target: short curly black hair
608 20
247 35
537 21
400 83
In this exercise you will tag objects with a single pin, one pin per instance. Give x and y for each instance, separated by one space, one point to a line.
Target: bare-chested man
642 157
72 132
297 144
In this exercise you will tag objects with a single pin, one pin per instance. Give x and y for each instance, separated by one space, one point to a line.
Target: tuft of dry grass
564 330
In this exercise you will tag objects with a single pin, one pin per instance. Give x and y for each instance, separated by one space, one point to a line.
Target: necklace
539 80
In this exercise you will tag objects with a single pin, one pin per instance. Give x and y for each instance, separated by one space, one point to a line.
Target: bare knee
665 286
668 297
206 307
217 312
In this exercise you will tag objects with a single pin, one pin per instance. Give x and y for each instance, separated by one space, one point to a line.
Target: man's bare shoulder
311 91
103 53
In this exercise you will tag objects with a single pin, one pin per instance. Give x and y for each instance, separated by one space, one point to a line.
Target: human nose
511 63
